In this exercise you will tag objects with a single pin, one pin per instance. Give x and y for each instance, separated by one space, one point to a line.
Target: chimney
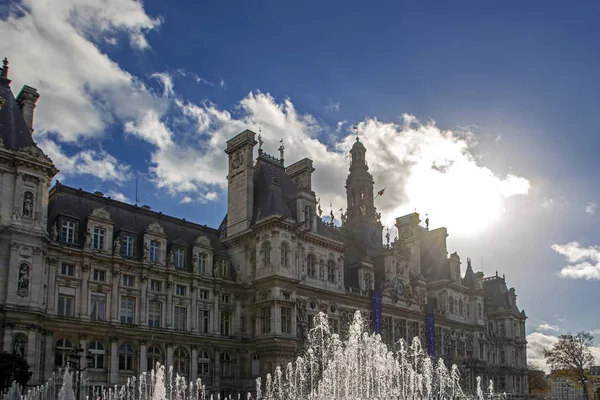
26 100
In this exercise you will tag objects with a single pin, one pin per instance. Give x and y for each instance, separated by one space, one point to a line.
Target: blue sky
156 88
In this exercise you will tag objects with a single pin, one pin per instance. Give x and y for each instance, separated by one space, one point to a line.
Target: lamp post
584 383
74 361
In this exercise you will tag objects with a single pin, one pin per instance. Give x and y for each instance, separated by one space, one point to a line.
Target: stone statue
260 142
55 232
88 239
378 216
427 221
387 237
332 217
117 247
281 149
28 205
344 219
19 347
23 284
16 215
363 210
146 252
171 260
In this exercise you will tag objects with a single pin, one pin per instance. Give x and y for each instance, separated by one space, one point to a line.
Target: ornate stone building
134 287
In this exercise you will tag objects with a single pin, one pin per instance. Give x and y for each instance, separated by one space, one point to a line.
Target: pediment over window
203 241
128 229
179 242
69 214
155 227
100 213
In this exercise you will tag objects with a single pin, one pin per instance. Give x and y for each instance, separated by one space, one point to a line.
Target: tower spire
5 67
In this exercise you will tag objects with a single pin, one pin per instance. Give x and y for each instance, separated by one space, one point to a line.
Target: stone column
237 325
49 355
194 360
169 354
143 356
83 342
18 193
216 317
143 319
114 361
32 354
114 305
169 310
193 317
84 295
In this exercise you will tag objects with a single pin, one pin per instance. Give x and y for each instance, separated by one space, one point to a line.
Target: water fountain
361 367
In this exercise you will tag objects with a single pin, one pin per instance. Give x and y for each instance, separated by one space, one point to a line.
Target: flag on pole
380 193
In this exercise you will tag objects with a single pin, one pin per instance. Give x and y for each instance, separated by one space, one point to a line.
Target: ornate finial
281 148
468 262
496 272
260 141
5 67
355 129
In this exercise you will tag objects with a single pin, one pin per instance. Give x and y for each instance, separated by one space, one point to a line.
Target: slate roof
13 130
469 278
274 191
496 292
65 200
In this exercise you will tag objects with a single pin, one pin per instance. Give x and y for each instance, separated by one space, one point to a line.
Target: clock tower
362 216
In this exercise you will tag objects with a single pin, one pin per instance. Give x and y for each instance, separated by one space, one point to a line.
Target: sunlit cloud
544 326
591 207
332 106
118 196
537 342
582 262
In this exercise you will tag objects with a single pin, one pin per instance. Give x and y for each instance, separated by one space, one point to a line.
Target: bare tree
572 353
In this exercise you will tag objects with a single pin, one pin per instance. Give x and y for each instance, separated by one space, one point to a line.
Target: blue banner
376 301
430 322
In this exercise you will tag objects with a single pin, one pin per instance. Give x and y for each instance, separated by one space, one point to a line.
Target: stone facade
135 287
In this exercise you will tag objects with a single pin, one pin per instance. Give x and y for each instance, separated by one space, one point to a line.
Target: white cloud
167 83
544 326
582 262
99 164
332 106
595 332
82 90
185 200
538 342
340 125
222 84
118 196
591 207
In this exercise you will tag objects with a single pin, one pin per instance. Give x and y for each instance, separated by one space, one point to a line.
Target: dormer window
202 263
99 234
223 266
127 245
154 250
67 232
179 256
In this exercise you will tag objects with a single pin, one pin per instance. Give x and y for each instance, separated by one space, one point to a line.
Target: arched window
126 357
265 254
97 351
226 364
311 265
285 255
255 365
203 363
20 345
28 205
180 361
63 348
451 304
153 356
331 271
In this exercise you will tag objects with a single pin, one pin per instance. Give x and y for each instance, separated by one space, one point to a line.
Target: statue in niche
28 205
88 238
23 284
19 347
117 247
16 215
55 232
171 260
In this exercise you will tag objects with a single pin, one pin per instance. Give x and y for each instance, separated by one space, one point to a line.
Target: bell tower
361 212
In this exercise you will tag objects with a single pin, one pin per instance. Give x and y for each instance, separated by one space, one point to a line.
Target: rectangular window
65 305
202 263
180 290
225 298
333 325
155 285
67 232
127 310
180 318
179 259
265 296
154 250
265 320
99 275
203 293
286 320
224 268
127 248
98 307
225 324
67 269
154 313
98 242
204 321
128 280
286 295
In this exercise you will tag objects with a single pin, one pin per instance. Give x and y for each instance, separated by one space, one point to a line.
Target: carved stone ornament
25 252
156 228
237 160
23 283
35 152
203 241
100 213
